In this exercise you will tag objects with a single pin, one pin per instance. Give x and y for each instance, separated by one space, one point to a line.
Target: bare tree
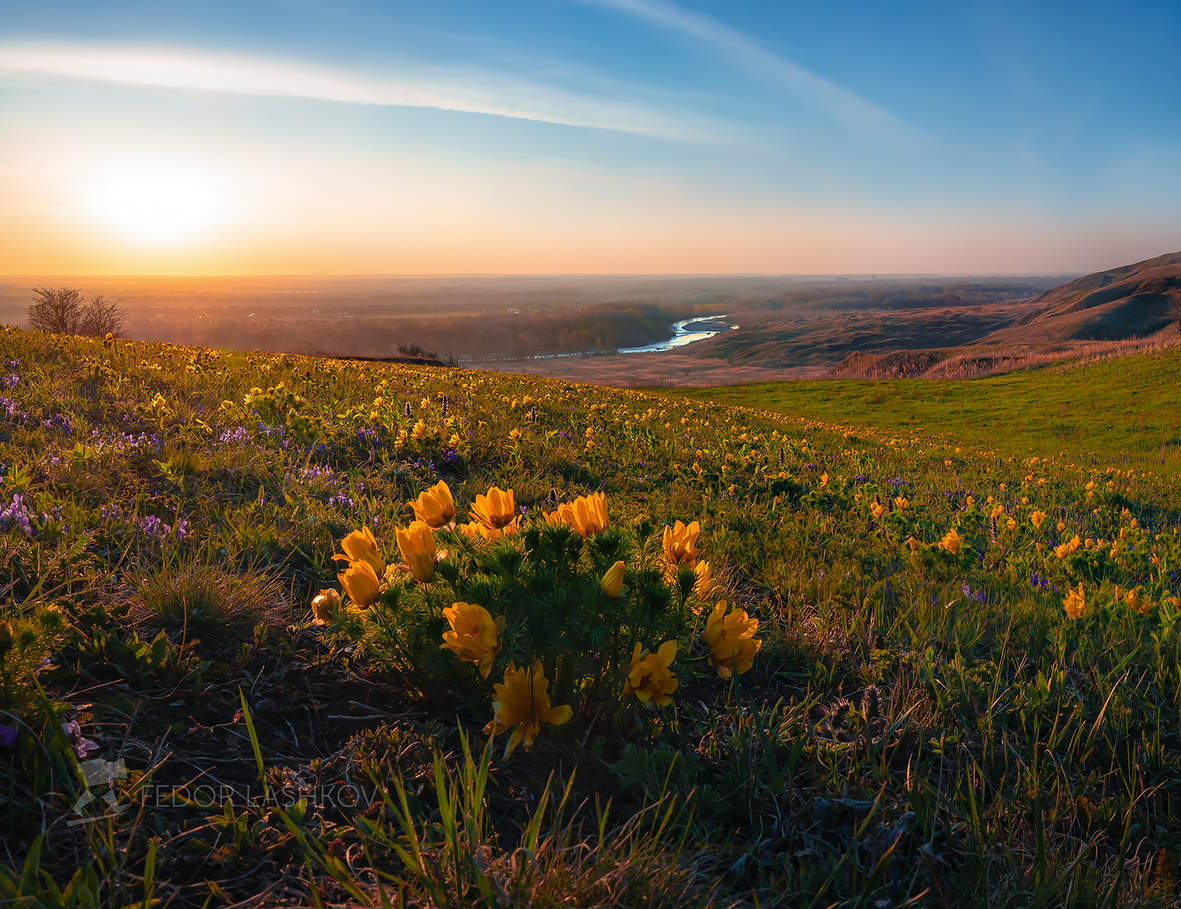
56 309
101 316
64 310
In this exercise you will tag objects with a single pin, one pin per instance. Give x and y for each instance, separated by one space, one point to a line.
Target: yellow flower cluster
364 578
1075 602
521 702
586 514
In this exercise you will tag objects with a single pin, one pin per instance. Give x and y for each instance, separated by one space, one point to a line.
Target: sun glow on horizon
154 202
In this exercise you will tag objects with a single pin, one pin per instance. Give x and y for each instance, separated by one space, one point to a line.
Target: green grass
924 723
1121 409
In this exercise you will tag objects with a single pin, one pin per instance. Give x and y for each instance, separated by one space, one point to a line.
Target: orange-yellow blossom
416 543
522 703
474 636
360 546
649 679
435 507
495 510
361 583
612 581
731 640
680 543
586 514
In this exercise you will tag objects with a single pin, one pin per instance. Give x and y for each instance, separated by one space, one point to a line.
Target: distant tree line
454 336
63 310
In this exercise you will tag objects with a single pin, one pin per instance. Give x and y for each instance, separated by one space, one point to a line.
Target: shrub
561 615
63 310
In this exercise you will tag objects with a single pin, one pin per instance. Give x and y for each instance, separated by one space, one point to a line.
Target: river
685 332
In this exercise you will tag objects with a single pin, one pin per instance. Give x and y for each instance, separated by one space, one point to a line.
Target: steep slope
1132 301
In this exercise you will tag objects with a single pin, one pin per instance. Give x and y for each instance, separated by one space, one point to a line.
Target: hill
635 650
1132 301
1119 311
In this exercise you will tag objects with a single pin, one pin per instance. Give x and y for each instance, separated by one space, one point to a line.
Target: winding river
685 332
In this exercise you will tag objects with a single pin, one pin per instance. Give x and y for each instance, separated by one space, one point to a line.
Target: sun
154 202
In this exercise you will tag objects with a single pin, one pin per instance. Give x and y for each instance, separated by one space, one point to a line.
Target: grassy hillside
963 685
1121 410
1131 301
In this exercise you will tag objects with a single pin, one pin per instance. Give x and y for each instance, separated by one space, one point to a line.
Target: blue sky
588 136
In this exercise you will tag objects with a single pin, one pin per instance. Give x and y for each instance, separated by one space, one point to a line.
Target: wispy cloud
443 89
842 105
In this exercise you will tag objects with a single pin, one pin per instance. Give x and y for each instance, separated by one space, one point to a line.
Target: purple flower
82 746
17 514
154 527
237 434
8 736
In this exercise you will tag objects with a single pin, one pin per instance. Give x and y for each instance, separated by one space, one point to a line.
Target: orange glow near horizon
235 210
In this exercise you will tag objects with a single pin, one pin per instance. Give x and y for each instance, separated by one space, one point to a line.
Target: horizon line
546 274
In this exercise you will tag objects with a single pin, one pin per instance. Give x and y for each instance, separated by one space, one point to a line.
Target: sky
587 136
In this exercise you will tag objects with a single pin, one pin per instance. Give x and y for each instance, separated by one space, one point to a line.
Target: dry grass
975 362
203 602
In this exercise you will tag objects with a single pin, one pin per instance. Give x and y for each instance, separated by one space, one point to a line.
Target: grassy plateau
815 644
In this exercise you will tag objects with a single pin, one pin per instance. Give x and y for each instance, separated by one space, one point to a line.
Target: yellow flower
323 605
496 510
522 703
951 542
586 514
1011 524
435 507
476 531
877 509
417 546
1075 602
900 503
360 546
649 678
361 583
914 544
612 580
1136 601
1036 518
680 543
731 640
703 586
1065 549
474 636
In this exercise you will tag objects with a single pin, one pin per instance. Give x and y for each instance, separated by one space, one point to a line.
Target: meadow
857 644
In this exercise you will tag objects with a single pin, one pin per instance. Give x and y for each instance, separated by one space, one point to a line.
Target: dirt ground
670 369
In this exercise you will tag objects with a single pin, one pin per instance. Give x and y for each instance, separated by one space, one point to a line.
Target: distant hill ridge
1131 301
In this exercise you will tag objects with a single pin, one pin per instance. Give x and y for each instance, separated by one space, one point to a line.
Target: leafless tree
64 310
100 317
56 309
